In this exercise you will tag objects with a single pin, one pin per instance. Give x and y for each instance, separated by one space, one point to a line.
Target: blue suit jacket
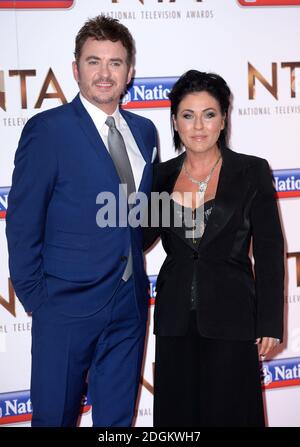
56 249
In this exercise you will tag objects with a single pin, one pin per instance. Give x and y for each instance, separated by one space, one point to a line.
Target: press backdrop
254 45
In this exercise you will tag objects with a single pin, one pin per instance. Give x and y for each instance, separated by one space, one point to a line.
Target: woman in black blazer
213 305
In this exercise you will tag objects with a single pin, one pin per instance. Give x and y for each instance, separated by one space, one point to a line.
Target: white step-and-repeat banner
254 45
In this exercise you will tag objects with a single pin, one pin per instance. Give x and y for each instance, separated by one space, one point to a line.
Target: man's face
102 73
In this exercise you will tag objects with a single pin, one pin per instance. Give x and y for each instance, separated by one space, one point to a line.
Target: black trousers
202 382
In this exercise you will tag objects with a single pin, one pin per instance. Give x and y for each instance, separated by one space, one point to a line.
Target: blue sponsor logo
281 373
152 288
287 182
3 201
16 407
148 93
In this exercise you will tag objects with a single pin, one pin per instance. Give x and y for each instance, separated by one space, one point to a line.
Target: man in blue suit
85 286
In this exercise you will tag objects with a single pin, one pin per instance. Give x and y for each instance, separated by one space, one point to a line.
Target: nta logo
272 87
23 75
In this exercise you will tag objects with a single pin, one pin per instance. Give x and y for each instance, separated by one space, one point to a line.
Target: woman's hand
267 345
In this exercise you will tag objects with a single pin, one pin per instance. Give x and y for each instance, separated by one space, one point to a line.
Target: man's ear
130 74
75 71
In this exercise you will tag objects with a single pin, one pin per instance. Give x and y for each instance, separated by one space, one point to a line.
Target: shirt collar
117 117
97 115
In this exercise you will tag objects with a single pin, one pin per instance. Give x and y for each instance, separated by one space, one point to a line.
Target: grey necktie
118 153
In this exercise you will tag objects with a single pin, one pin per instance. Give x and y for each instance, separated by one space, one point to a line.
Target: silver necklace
202 184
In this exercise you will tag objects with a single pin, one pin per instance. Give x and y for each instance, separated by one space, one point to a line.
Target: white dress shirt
99 117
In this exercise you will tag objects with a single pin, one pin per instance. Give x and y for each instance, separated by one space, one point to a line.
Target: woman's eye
187 116
210 115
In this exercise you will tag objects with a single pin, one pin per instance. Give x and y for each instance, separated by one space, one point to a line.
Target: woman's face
199 121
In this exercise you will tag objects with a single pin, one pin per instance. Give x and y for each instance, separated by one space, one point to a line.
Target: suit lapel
171 173
87 125
142 148
231 188
137 135
168 179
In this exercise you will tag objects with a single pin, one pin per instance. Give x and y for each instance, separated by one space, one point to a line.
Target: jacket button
123 258
196 256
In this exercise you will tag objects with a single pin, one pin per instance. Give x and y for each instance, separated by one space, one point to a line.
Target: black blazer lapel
165 176
231 188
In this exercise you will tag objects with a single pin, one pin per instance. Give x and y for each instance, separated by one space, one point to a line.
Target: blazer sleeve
32 186
268 252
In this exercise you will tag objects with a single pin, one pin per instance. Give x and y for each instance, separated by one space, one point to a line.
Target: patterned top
187 226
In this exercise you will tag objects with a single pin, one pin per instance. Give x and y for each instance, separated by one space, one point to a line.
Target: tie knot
110 121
